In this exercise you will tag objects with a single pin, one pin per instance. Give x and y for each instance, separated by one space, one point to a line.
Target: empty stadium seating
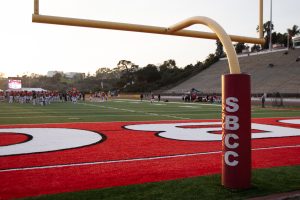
271 72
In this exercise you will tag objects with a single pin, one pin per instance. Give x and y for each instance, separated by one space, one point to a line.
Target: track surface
119 156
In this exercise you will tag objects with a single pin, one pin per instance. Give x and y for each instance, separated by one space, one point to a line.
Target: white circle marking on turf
290 121
49 139
178 132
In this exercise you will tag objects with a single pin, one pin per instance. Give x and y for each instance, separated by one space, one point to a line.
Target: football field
97 146
123 110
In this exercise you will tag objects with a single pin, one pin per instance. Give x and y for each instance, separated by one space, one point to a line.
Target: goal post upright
36 7
260 19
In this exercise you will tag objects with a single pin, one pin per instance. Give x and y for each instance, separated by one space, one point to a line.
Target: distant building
67 74
73 74
296 41
52 73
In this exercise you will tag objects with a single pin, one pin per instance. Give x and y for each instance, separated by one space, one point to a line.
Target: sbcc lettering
231 123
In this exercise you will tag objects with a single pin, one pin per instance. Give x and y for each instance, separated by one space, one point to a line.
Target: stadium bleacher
270 73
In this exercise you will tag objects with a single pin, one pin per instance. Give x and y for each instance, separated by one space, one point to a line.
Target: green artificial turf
264 182
125 110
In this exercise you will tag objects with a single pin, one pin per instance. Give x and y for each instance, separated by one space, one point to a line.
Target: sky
27 47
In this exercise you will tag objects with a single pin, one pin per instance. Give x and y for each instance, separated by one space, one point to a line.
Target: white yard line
135 111
134 159
183 103
189 107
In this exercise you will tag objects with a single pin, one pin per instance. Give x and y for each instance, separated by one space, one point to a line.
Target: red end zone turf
117 153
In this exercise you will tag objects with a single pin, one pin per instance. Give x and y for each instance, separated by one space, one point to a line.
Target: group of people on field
99 96
42 97
152 97
193 97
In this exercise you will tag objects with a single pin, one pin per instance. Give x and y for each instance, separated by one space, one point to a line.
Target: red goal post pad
236 131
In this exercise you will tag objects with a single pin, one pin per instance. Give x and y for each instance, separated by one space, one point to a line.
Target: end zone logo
55 139
53 158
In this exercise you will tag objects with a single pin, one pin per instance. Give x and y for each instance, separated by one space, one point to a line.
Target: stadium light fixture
270 39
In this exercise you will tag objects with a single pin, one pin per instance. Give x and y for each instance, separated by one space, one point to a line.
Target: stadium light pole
288 41
270 39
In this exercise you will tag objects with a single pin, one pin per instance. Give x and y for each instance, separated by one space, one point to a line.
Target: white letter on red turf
180 131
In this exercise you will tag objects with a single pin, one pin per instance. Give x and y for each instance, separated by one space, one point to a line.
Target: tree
34 76
198 65
189 67
104 73
148 74
275 37
125 69
219 50
78 77
255 48
127 66
282 39
267 27
210 59
56 78
292 32
168 65
239 47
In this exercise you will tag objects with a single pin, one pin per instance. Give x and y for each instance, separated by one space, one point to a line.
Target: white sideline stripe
134 159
